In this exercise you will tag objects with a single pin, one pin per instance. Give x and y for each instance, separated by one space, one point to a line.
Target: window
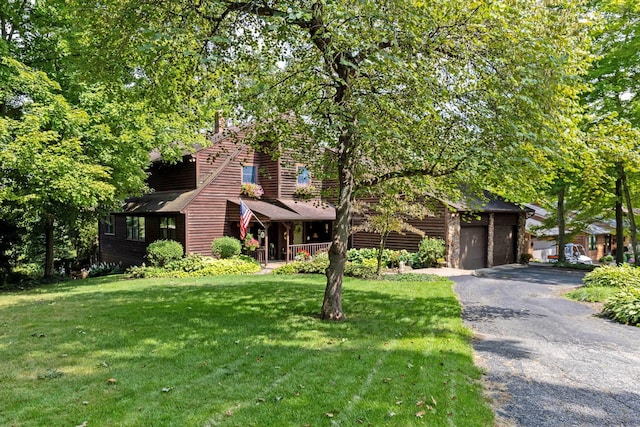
249 174
168 228
593 242
135 228
110 225
304 176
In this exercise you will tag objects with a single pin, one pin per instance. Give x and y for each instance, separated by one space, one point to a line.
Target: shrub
162 252
198 268
394 258
624 307
525 258
611 275
429 251
230 266
191 262
607 259
317 264
226 247
359 255
365 270
290 268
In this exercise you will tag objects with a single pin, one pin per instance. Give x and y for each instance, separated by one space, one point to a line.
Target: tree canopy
476 92
73 144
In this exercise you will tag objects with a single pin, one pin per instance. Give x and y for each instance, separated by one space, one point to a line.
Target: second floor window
168 228
110 224
249 174
135 228
304 176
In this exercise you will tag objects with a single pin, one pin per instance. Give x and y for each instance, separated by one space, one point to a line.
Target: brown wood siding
167 177
288 178
116 248
268 178
207 213
211 158
433 226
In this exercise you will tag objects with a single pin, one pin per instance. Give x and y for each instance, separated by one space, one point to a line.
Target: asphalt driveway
550 361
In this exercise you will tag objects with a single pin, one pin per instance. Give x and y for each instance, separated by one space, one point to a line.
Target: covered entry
286 226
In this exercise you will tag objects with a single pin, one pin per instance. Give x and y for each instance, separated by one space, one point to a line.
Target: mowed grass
236 351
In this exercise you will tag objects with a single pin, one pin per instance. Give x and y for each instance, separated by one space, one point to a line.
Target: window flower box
251 190
305 192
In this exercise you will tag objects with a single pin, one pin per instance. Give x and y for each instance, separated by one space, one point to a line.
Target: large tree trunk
48 243
619 223
561 225
632 218
332 303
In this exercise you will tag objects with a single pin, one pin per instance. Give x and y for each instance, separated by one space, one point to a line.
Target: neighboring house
598 238
198 200
477 234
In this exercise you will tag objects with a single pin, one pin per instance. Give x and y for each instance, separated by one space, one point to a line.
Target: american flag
245 219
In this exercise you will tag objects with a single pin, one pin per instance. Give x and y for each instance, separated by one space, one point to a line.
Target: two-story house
198 200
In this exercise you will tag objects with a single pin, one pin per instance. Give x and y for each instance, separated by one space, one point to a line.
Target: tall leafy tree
437 93
614 107
74 142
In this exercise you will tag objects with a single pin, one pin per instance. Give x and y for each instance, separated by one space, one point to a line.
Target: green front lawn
236 351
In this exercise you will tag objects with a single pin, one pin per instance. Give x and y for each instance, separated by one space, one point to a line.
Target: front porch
291 251
286 227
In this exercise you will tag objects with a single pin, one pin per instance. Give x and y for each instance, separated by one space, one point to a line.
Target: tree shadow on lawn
235 354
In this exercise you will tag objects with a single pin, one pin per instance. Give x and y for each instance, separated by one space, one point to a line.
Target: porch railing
311 248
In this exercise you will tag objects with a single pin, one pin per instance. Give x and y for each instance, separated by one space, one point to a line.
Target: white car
575 254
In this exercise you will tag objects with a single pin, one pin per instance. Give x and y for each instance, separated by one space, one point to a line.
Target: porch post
286 241
266 243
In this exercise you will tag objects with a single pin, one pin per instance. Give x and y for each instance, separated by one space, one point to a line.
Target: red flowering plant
251 243
302 255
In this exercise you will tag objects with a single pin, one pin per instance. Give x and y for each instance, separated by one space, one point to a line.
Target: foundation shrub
429 251
162 252
226 247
